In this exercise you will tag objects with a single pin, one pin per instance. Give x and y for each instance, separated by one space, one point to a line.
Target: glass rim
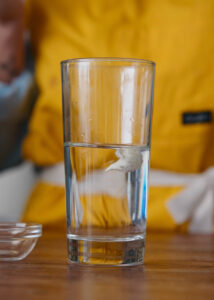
9 226
108 59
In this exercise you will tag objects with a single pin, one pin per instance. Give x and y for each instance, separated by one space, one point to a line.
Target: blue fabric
15 104
13 97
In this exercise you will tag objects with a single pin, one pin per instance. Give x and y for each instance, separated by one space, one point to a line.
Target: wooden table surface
176 267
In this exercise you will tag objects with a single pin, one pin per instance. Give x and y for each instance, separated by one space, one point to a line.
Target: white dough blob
129 160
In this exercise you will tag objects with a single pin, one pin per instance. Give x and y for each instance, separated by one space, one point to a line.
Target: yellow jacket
177 35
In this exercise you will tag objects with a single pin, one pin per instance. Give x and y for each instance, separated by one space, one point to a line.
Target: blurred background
35 35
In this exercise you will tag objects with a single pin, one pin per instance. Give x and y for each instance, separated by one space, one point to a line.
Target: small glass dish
17 240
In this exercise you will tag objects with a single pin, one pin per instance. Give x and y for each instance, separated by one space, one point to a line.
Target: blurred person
177 35
16 83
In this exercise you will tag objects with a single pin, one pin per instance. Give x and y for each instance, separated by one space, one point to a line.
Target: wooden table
176 267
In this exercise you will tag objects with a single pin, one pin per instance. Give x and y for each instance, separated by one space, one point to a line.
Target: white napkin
195 203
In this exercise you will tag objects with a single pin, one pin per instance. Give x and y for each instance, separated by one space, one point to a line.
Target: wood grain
176 267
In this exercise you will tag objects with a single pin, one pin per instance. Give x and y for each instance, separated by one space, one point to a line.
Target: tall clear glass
107 110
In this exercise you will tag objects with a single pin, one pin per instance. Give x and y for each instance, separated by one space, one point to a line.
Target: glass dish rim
10 226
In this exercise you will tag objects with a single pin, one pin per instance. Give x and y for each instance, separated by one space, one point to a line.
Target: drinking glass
107 110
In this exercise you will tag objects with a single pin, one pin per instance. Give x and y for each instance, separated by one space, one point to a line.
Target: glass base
106 251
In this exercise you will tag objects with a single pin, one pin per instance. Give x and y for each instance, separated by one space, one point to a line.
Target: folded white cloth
195 203
15 187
